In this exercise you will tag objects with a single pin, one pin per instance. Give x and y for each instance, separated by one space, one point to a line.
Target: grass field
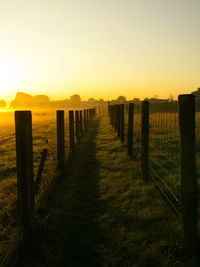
44 136
133 223
107 216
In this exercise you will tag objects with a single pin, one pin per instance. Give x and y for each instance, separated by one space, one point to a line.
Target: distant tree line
24 100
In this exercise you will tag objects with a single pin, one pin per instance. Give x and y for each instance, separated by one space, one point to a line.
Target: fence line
162 137
27 188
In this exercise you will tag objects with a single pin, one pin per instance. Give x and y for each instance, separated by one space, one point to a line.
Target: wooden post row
25 182
188 172
60 139
145 140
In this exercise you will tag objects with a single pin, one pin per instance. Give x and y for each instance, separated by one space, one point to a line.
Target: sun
11 74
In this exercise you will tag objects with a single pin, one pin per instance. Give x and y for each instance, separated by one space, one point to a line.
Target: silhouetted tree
121 99
41 101
75 99
136 99
91 100
22 100
3 104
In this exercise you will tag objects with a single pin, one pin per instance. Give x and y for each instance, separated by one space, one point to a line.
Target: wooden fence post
40 170
25 182
122 122
81 122
60 139
130 129
71 129
188 172
145 140
77 124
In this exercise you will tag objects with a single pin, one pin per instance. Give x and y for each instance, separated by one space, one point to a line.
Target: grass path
100 213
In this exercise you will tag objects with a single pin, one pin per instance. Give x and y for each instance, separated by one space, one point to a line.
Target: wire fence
164 150
161 155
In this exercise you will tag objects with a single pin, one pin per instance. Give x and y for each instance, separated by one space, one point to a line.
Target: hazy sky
99 48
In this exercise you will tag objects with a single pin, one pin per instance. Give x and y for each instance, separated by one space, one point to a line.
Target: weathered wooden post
85 119
188 172
77 125
122 122
145 140
81 121
71 129
130 129
60 139
25 182
40 169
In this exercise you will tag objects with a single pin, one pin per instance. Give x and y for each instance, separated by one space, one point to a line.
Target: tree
121 99
171 98
41 101
3 104
75 99
136 99
22 100
91 100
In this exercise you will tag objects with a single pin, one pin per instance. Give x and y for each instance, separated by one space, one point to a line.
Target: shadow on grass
72 235
84 236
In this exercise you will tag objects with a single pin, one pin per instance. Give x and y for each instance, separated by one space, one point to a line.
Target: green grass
44 128
102 214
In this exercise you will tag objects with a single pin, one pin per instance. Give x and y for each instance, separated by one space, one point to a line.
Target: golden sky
99 48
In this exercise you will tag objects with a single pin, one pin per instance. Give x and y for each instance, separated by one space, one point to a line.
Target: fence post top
186 96
23 114
22 111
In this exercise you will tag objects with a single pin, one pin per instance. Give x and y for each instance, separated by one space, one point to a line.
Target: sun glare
10 75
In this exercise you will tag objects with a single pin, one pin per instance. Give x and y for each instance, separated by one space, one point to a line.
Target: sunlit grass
44 136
